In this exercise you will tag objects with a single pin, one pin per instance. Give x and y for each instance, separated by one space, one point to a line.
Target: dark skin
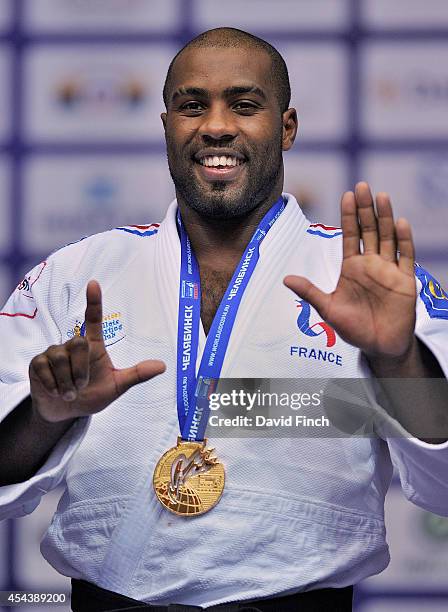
373 305
208 111
234 111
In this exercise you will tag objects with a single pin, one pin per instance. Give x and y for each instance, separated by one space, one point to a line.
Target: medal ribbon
192 394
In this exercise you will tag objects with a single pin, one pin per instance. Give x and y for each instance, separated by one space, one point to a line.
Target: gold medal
188 480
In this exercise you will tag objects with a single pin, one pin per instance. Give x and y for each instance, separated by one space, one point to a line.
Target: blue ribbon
193 393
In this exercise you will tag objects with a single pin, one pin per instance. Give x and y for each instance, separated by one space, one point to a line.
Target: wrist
41 420
388 366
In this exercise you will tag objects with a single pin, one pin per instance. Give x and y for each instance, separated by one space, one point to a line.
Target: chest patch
113 328
317 338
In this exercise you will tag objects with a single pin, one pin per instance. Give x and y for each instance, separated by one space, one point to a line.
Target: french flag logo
141 230
312 331
325 231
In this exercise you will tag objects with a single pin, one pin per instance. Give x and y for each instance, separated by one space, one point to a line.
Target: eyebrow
189 91
239 90
236 90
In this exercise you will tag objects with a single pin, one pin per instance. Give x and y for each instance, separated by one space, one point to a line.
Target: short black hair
232 37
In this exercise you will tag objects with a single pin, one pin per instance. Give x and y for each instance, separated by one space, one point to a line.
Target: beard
223 200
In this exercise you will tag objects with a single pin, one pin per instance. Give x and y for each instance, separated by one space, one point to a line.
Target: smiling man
151 517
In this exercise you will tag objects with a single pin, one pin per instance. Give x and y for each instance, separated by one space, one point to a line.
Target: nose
218 123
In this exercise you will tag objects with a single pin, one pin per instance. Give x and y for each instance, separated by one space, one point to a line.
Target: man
300 520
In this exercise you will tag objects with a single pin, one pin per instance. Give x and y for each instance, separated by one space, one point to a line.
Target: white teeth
223 161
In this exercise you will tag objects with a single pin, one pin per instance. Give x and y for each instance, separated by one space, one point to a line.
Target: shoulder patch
22 303
325 231
140 230
433 296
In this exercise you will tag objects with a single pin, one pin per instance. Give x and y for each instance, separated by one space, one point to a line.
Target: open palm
373 305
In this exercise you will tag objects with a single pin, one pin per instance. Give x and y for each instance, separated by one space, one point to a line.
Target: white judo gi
297 513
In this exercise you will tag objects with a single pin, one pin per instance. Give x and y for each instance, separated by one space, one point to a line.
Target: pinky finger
41 371
405 245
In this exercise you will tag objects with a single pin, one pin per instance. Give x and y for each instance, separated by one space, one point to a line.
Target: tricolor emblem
325 231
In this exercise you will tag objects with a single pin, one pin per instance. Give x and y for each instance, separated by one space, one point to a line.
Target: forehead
217 69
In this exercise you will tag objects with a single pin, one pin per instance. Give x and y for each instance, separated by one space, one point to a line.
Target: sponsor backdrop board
404 14
31 530
317 180
101 15
4 526
403 605
319 75
418 186
404 90
5 14
68 198
5 106
82 150
90 93
279 16
6 286
419 548
5 215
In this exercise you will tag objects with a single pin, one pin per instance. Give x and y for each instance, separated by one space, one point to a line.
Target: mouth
220 167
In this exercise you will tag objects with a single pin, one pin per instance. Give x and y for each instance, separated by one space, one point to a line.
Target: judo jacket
297 513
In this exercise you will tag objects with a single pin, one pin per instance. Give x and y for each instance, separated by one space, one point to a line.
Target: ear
290 127
163 118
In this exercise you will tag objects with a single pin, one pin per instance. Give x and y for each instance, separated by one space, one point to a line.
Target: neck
220 243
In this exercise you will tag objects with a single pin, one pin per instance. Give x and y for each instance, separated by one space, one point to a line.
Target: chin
220 207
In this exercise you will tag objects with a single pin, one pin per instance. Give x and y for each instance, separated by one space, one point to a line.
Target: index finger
350 226
94 312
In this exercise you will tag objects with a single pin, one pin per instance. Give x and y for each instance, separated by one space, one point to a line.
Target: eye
192 107
245 107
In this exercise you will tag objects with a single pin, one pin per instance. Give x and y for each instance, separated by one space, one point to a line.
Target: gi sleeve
422 467
28 326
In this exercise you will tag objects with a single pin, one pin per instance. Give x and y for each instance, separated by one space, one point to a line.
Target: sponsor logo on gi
23 303
113 330
433 296
314 330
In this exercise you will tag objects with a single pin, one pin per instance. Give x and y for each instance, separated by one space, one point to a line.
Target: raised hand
373 305
78 378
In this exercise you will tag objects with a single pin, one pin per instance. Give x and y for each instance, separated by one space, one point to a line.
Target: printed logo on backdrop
101 90
432 181
322 334
113 329
435 527
433 296
98 207
420 90
23 303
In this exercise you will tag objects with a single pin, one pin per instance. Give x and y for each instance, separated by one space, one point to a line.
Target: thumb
139 373
309 292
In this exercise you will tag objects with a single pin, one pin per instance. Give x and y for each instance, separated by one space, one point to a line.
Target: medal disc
188 480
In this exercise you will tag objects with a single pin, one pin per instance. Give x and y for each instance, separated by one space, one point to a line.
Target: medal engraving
188 480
